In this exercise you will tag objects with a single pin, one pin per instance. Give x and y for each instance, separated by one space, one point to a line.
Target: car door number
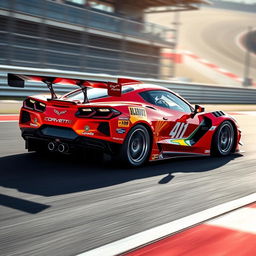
178 130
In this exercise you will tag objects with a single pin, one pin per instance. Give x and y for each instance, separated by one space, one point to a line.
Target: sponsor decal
88 133
137 113
115 138
57 112
134 111
155 156
212 128
120 130
57 120
207 151
34 122
123 123
114 89
87 128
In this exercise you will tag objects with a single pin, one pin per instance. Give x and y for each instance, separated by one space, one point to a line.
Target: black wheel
136 147
223 139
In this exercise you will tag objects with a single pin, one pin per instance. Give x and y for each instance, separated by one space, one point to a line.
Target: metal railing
76 15
194 92
46 34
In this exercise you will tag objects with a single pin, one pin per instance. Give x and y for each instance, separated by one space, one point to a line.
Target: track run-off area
66 205
214 35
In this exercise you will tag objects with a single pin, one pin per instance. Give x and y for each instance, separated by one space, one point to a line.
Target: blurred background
193 40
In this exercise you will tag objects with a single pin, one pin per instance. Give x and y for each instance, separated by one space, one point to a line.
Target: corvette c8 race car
135 121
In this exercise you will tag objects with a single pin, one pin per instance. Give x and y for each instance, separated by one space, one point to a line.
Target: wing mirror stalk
198 109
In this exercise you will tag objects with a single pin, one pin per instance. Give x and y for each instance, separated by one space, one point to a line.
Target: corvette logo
59 112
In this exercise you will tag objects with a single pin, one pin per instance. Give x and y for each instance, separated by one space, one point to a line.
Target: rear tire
136 147
223 140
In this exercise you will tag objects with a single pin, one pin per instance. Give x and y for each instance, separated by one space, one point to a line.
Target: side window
166 100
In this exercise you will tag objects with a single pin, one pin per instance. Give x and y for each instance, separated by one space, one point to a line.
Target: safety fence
193 92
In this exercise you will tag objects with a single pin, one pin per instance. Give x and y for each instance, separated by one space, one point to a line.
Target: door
175 130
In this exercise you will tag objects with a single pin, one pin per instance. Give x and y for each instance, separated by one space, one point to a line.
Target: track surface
67 205
213 34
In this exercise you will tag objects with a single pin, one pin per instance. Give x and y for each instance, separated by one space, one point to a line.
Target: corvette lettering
58 120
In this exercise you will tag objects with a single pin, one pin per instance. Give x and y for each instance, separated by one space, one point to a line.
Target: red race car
135 121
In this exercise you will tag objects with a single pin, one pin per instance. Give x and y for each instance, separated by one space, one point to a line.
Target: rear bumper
39 138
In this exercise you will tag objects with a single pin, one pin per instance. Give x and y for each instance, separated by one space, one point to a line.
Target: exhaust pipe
62 148
51 146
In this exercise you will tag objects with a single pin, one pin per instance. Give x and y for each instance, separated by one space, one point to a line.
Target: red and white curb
214 67
9 118
179 58
231 234
170 229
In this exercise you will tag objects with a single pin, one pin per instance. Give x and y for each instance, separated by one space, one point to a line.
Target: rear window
95 93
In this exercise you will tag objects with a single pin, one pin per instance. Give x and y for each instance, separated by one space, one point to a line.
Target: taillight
101 113
34 105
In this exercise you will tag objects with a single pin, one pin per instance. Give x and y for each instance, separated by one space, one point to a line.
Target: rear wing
114 88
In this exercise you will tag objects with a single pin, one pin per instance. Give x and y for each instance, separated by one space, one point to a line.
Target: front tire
136 147
223 140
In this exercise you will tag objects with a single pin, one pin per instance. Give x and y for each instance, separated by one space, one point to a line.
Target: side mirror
198 109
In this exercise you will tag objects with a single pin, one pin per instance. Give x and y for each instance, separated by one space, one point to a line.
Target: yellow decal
123 123
137 114
180 142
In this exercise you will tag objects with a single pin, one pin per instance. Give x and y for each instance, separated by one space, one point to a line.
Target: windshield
94 93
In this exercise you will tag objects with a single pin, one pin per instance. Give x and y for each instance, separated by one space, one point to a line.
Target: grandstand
96 36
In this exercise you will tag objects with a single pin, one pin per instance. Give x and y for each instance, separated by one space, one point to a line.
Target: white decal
178 130
53 119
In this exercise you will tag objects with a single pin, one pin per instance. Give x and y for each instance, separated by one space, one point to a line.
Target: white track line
242 220
9 114
156 233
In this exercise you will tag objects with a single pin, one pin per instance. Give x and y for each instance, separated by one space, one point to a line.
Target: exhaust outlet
51 146
62 148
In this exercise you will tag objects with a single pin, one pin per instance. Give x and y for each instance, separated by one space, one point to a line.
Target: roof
171 5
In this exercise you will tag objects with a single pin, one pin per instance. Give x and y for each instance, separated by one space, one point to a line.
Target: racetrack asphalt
64 205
